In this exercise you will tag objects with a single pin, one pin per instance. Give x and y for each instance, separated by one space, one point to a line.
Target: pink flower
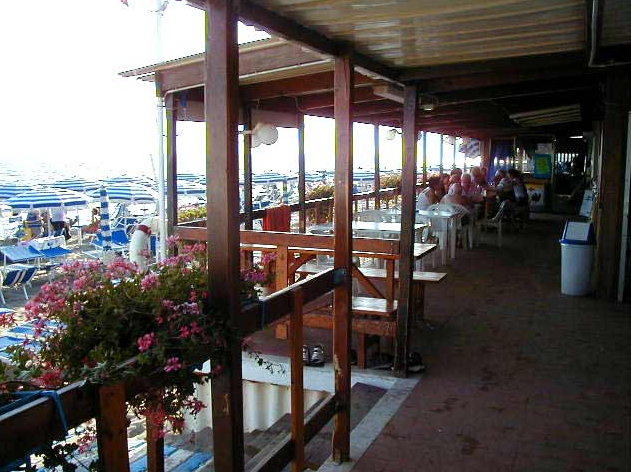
149 281
7 319
185 332
146 341
173 364
195 329
193 405
173 240
49 379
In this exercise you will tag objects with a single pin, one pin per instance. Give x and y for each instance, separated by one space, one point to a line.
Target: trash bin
577 257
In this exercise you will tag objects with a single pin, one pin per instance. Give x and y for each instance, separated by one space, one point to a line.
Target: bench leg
2 297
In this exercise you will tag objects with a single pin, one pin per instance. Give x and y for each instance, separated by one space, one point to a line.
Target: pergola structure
488 68
478 62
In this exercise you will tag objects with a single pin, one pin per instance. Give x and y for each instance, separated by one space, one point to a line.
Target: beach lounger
15 276
116 246
19 253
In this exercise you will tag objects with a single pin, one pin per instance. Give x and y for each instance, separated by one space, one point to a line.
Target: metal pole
377 181
162 220
441 151
424 156
455 141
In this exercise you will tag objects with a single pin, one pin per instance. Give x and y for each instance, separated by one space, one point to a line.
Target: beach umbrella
11 189
314 177
268 178
189 176
184 187
106 232
363 176
78 184
128 193
48 197
125 179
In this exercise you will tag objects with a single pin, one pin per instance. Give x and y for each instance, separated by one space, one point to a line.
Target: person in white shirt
429 195
58 220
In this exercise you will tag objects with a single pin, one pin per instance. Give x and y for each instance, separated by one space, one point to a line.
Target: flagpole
162 236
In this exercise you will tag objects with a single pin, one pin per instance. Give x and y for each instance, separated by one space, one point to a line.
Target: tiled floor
520 378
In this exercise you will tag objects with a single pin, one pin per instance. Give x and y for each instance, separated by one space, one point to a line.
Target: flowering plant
93 319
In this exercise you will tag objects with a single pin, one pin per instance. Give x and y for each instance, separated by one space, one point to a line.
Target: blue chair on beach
19 253
16 276
117 244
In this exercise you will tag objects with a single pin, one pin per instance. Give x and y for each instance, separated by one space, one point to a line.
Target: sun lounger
15 276
19 253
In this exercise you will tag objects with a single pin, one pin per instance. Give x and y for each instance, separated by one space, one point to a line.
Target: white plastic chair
495 222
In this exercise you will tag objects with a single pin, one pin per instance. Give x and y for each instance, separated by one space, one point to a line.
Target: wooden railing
37 424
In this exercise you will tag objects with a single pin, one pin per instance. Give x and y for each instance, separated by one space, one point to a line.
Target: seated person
430 194
455 197
470 190
33 223
444 182
503 185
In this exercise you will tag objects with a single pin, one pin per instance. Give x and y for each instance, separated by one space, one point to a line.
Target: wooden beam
221 104
111 429
302 212
155 448
493 66
377 181
472 81
611 185
325 99
344 88
441 150
301 85
171 114
297 389
424 154
408 206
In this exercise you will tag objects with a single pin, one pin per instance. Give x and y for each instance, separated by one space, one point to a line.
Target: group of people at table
468 189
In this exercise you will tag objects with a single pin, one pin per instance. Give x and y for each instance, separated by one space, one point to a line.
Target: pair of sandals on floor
313 355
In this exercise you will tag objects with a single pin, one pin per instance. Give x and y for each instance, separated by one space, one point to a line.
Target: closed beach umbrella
11 189
78 184
47 197
128 193
106 232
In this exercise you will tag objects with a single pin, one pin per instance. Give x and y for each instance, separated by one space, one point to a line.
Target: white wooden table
376 227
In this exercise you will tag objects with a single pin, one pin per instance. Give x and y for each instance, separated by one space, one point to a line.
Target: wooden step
373 306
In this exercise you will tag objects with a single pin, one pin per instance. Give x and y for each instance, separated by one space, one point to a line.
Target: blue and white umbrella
185 187
314 177
47 197
78 184
269 178
124 179
11 189
106 231
363 176
189 176
128 193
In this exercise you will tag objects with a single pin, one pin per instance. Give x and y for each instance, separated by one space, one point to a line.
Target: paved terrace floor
520 377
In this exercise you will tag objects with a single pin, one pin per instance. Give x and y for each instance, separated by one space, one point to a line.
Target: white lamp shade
266 133
255 142
391 134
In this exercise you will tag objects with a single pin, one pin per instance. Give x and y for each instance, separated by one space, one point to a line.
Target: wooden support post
343 99
297 389
302 212
111 429
247 169
486 154
424 157
611 185
221 108
171 114
441 151
282 267
377 184
408 205
155 448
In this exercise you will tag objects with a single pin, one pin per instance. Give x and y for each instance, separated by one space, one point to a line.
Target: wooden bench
372 316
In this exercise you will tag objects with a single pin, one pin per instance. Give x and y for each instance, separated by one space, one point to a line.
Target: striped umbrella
106 232
189 176
78 184
124 179
46 197
11 189
269 178
128 193
185 187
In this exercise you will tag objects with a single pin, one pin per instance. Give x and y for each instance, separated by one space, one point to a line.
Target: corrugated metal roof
409 33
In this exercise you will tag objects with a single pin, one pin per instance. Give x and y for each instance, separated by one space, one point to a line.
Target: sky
66 109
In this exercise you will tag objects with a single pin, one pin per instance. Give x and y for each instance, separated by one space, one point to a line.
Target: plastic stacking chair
466 231
16 276
495 222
